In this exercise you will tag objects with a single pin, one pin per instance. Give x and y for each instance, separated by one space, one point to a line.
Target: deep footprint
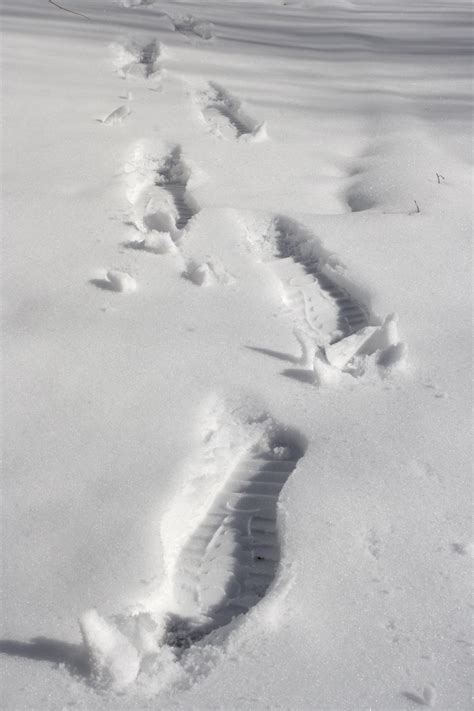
335 328
164 206
173 176
232 558
217 568
321 306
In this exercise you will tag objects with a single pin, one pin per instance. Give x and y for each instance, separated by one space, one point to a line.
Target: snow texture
236 347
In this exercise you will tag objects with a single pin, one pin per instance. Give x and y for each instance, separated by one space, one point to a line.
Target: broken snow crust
134 293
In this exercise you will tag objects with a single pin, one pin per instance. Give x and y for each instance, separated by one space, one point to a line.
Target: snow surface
237 339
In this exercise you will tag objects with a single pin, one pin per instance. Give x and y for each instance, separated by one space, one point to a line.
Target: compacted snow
236 355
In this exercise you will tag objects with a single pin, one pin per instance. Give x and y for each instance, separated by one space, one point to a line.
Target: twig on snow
73 12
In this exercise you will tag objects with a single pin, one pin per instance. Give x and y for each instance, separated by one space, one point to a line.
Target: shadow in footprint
44 649
303 376
274 354
102 284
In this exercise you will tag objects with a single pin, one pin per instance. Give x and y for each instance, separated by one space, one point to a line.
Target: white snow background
209 211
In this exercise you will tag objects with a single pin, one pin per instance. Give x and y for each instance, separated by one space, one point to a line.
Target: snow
237 338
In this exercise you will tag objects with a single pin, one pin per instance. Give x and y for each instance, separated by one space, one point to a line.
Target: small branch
417 206
73 12
440 177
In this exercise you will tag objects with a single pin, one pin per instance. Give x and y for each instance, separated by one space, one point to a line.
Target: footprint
117 116
232 556
188 25
223 113
311 285
221 548
163 205
139 61
331 319
173 175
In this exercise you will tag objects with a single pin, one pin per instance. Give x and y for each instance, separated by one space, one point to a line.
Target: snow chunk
155 242
164 222
207 273
365 342
324 372
114 659
200 274
308 348
121 281
117 116
259 133
339 354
